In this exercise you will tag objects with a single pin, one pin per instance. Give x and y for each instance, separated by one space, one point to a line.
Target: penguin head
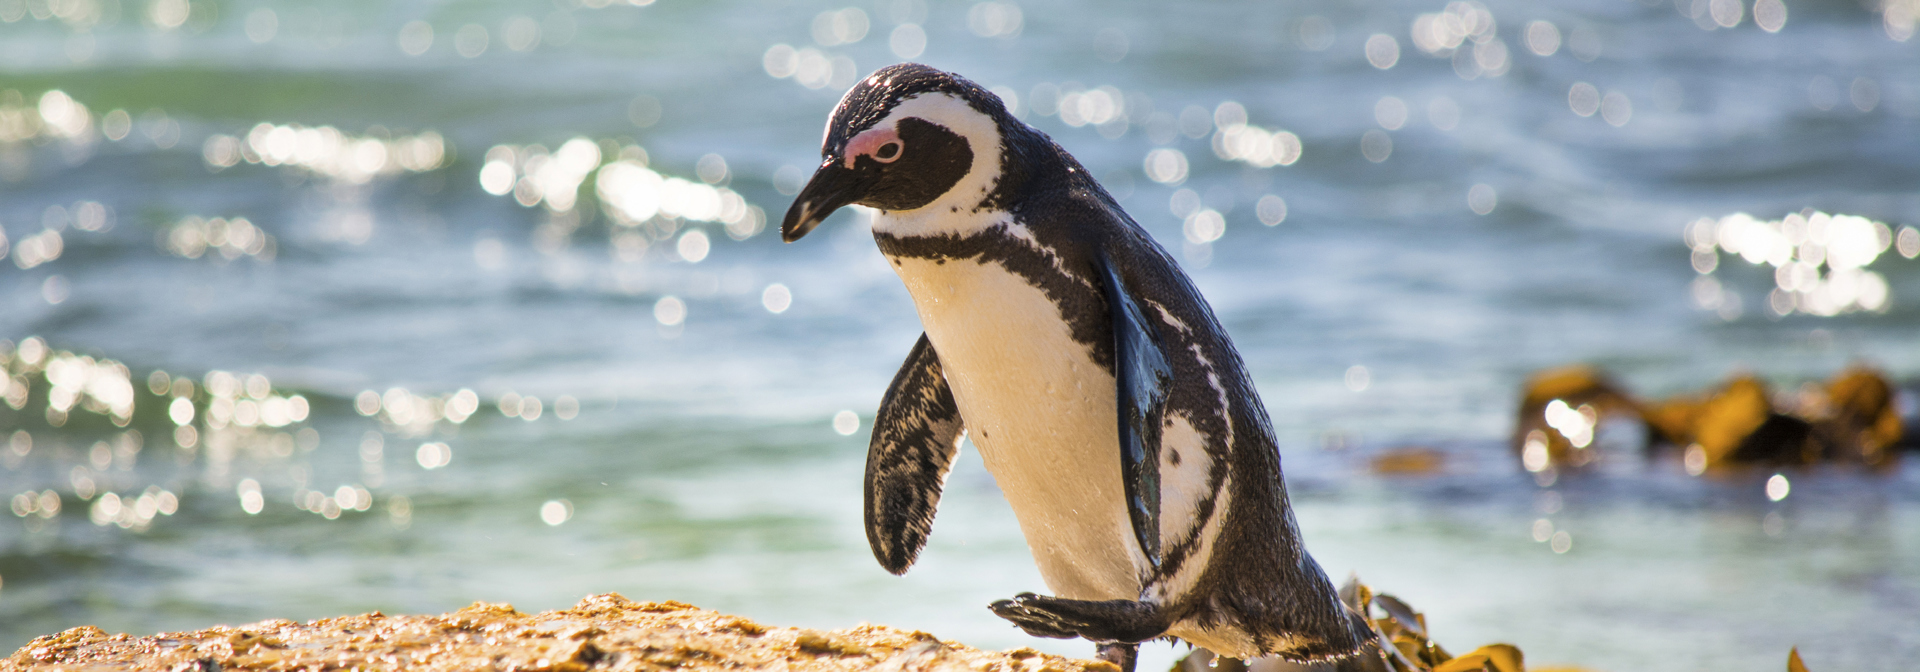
906 138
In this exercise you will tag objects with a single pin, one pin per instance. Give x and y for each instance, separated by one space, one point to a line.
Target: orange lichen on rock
1849 419
1584 390
1735 424
602 632
1856 417
1408 461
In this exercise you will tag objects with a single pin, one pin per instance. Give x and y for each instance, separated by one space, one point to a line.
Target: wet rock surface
602 632
1852 418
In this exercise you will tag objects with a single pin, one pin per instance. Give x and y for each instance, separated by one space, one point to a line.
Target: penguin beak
834 186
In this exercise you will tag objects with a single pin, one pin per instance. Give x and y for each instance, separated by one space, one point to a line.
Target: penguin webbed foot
1123 655
1100 621
1034 621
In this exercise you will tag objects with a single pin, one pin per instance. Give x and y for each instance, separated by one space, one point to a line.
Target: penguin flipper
1143 376
915 438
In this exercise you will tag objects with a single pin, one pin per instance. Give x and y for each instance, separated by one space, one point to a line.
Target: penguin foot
1123 655
1101 621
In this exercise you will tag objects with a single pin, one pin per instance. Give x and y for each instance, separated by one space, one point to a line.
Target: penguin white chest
1042 414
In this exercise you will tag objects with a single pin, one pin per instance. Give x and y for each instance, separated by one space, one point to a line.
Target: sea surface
324 308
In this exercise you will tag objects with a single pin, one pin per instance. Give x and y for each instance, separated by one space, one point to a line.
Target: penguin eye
887 152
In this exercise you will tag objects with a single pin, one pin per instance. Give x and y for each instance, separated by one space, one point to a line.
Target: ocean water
477 301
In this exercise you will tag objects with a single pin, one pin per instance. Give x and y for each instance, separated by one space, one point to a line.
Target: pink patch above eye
866 144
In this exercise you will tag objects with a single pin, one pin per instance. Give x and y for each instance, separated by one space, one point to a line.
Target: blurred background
323 308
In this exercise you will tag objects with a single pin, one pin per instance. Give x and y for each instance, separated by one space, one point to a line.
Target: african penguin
1096 383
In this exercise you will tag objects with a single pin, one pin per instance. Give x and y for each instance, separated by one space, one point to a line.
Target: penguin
1089 373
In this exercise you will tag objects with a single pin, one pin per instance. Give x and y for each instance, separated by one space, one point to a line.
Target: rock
602 632
1584 397
1857 418
1736 424
1408 461
1851 419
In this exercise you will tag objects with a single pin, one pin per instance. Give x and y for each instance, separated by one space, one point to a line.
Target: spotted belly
1042 414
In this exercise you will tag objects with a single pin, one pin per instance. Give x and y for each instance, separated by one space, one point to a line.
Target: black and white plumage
1101 391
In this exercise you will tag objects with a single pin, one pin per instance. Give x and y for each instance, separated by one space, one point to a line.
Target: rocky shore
602 632
610 632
